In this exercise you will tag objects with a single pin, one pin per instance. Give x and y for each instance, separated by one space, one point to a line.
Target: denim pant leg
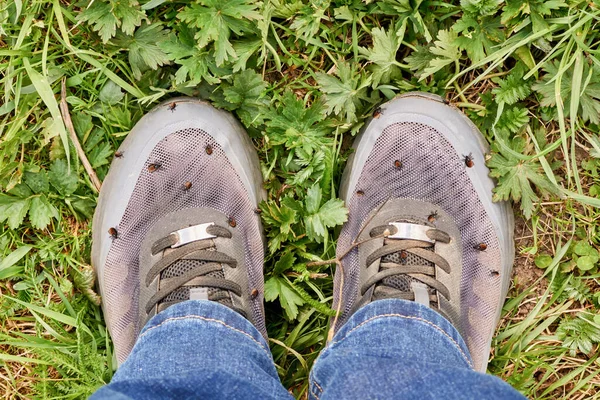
197 349
396 349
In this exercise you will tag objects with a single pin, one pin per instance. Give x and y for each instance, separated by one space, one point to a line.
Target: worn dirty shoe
176 220
418 188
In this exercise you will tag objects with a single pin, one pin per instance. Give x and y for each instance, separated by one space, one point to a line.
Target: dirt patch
525 272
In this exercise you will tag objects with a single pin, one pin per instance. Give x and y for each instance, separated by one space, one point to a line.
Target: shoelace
421 273
201 250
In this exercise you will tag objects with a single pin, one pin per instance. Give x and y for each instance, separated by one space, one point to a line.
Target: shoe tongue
402 282
180 267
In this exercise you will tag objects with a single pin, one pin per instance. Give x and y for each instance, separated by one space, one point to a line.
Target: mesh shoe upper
183 162
411 156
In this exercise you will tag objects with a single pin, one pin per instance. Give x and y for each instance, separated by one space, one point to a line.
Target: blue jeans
388 349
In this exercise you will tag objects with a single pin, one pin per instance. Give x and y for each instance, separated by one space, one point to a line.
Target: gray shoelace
205 272
422 271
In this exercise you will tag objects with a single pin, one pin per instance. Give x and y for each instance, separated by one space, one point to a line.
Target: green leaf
543 261
102 19
21 190
14 257
105 17
23 285
344 95
515 177
318 219
578 334
333 213
343 13
480 7
82 122
216 20
84 206
144 50
246 49
419 59
111 93
383 55
41 212
100 155
129 14
37 181
284 263
294 125
445 51
589 98
247 96
516 12
586 263
478 36
281 217
62 179
152 4
307 21
570 287
512 89
13 210
196 64
513 119
313 199
288 298
583 248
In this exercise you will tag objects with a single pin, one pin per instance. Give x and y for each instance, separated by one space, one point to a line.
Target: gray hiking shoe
417 185
176 220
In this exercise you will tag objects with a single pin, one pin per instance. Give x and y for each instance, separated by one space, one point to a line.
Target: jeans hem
419 319
407 310
209 320
204 311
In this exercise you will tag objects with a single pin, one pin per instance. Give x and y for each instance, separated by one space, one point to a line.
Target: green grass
302 76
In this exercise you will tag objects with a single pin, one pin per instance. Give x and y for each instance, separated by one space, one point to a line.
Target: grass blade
45 92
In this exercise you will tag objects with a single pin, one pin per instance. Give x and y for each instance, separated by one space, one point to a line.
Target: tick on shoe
469 160
378 112
403 256
231 221
172 106
432 217
480 247
153 167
